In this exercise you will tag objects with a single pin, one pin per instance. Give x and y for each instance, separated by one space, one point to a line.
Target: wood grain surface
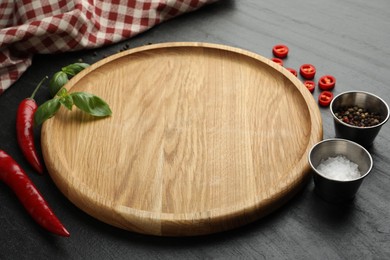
203 138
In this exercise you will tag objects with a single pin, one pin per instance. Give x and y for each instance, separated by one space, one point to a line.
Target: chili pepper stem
38 86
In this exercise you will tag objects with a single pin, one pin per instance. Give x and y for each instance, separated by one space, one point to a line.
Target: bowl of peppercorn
358 116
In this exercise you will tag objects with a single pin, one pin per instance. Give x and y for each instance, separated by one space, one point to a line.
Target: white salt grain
339 168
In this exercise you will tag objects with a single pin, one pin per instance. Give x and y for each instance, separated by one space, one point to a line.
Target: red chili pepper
280 51
292 71
325 98
307 71
326 82
24 129
310 85
14 176
278 61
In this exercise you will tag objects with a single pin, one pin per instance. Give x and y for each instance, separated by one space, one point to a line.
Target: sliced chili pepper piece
278 61
280 51
327 82
310 85
325 98
293 71
25 131
307 71
15 177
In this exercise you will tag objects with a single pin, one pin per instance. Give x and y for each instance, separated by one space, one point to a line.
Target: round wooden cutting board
203 138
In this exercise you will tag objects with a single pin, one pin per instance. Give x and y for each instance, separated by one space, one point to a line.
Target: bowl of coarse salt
339 167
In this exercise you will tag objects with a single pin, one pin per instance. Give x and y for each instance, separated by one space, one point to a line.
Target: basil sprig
86 102
90 104
60 78
46 111
74 68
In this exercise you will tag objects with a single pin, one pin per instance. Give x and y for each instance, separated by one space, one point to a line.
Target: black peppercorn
358 116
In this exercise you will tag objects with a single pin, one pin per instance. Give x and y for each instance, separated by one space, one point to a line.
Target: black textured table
347 39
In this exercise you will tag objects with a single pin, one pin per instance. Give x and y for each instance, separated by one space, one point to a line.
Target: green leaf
46 111
91 104
62 92
74 68
58 80
67 101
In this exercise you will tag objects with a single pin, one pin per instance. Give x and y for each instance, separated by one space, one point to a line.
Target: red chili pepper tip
325 98
277 61
307 71
280 51
310 85
15 177
294 72
327 82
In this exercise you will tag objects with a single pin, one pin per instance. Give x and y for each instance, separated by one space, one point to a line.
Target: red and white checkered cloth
51 26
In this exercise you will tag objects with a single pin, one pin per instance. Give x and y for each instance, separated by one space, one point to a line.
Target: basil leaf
74 68
67 101
62 92
91 104
46 111
58 80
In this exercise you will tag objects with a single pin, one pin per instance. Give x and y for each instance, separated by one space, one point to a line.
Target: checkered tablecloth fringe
51 26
